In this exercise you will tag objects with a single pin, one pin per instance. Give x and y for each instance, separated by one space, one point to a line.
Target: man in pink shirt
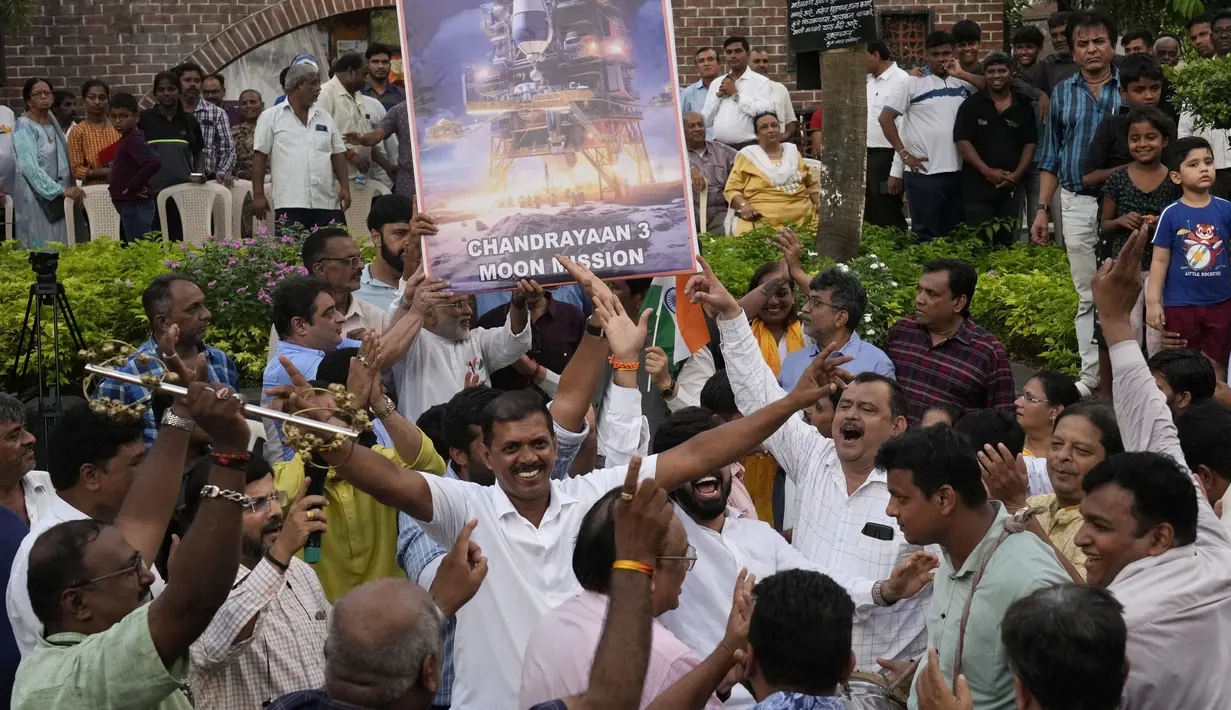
561 648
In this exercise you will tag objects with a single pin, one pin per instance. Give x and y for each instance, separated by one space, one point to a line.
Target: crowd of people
540 510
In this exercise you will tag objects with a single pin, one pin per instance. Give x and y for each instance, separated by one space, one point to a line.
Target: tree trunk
844 139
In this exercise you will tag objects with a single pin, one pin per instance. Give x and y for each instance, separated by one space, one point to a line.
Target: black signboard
818 25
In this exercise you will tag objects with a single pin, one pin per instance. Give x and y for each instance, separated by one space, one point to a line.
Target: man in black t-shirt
996 134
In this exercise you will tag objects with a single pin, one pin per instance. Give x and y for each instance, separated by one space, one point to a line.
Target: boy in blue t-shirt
1191 293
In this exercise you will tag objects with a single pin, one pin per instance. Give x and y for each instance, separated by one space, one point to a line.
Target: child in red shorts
1190 275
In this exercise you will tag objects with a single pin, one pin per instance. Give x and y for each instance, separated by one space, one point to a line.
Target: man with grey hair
26 492
304 149
710 164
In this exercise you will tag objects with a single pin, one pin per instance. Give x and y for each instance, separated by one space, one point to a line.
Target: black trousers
935 203
881 208
983 205
1222 184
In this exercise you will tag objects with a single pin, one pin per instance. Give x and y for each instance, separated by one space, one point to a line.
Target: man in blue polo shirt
925 150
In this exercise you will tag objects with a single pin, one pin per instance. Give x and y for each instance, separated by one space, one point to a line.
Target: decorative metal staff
304 442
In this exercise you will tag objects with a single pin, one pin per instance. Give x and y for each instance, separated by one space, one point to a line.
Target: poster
818 25
546 127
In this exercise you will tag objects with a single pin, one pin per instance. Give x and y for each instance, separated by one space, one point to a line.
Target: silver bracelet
171 419
212 491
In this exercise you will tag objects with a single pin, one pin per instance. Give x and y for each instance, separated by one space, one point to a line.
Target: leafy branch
15 14
1203 88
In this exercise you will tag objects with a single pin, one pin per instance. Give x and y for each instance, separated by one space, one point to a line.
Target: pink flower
241 289
287 240
212 282
271 284
232 261
183 246
262 230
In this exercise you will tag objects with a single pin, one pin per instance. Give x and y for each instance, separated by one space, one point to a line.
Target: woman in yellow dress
769 181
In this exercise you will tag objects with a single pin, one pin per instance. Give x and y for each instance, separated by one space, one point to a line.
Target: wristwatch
172 419
386 410
594 330
669 391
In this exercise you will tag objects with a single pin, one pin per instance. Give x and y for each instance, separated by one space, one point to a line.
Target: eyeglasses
39 94
351 261
134 568
259 504
690 556
814 301
1031 399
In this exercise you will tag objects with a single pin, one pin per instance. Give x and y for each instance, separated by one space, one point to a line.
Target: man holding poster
561 135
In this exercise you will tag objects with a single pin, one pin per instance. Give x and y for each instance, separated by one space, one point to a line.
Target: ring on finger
311 515
626 496
222 392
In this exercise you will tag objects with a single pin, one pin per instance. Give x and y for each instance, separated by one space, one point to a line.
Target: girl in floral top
1133 195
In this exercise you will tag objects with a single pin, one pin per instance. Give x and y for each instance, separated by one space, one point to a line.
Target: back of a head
335 366
514 406
57 561
682 425
390 209
984 427
880 49
594 551
463 411
936 456
1205 430
800 631
432 424
717 396
1162 491
86 437
379 636
295 297
1067 645
1186 370
348 62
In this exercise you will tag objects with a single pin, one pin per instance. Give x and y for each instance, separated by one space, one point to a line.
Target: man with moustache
26 492
840 491
692 97
710 164
726 542
215 126
260 644
396 232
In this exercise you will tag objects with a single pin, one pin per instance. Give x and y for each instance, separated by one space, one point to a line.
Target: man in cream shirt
781 95
736 98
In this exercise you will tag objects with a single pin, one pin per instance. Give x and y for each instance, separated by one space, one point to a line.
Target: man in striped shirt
1078 105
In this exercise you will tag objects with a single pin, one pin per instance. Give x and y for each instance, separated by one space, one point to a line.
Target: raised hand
363 378
531 296
705 288
642 517
461 572
220 413
823 377
625 337
910 576
593 285
299 395
196 369
429 294
1006 479
792 251
735 639
657 367
303 518
933 693
1117 283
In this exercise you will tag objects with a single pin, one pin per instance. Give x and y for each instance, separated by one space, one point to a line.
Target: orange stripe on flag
689 318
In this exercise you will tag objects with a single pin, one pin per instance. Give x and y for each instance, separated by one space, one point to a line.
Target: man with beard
436 350
215 126
726 542
26 492
527 523
1201 34
260 644
396 232
842 526
380 61
1079 105
103 645
710 164
179 321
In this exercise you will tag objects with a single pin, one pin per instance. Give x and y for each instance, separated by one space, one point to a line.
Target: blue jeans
935 203
136 221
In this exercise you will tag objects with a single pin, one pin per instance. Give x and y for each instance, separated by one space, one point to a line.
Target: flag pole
658 314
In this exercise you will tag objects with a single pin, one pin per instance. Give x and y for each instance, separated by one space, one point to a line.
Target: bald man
710 163
383 651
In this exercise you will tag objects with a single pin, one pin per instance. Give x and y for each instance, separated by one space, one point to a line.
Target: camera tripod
45 293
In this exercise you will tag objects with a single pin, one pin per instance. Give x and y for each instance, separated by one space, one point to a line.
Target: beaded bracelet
627 366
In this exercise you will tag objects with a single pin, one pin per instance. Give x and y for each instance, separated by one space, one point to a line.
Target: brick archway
270 22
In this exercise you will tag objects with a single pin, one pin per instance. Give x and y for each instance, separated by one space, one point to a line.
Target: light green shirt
118 669
1022 564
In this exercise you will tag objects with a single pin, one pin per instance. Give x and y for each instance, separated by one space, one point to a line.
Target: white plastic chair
99 210
256 430
361 203
240 190
196 205
8 218
814 167
270 221
703 202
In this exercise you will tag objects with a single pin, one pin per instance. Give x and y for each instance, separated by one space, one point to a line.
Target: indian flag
677 326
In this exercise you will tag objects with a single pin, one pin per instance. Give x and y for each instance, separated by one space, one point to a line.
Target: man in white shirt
736 98
781 96
885 78
928 107
102 471
304 150
725 542
841 496
331 254
527 523
26 492
436 350
383 169
340 98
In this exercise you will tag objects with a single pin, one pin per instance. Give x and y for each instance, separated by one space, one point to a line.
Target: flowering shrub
1025 295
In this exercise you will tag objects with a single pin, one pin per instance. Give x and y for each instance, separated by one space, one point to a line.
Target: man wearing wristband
103 639
527 522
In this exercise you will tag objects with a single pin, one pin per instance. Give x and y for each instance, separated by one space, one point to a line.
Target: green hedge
1024 296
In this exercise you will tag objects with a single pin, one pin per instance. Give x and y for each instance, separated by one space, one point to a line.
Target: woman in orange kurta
92 136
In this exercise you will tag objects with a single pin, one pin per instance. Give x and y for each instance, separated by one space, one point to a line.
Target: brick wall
126 43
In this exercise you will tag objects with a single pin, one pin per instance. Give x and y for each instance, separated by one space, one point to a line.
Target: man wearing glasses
331 254
268 638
